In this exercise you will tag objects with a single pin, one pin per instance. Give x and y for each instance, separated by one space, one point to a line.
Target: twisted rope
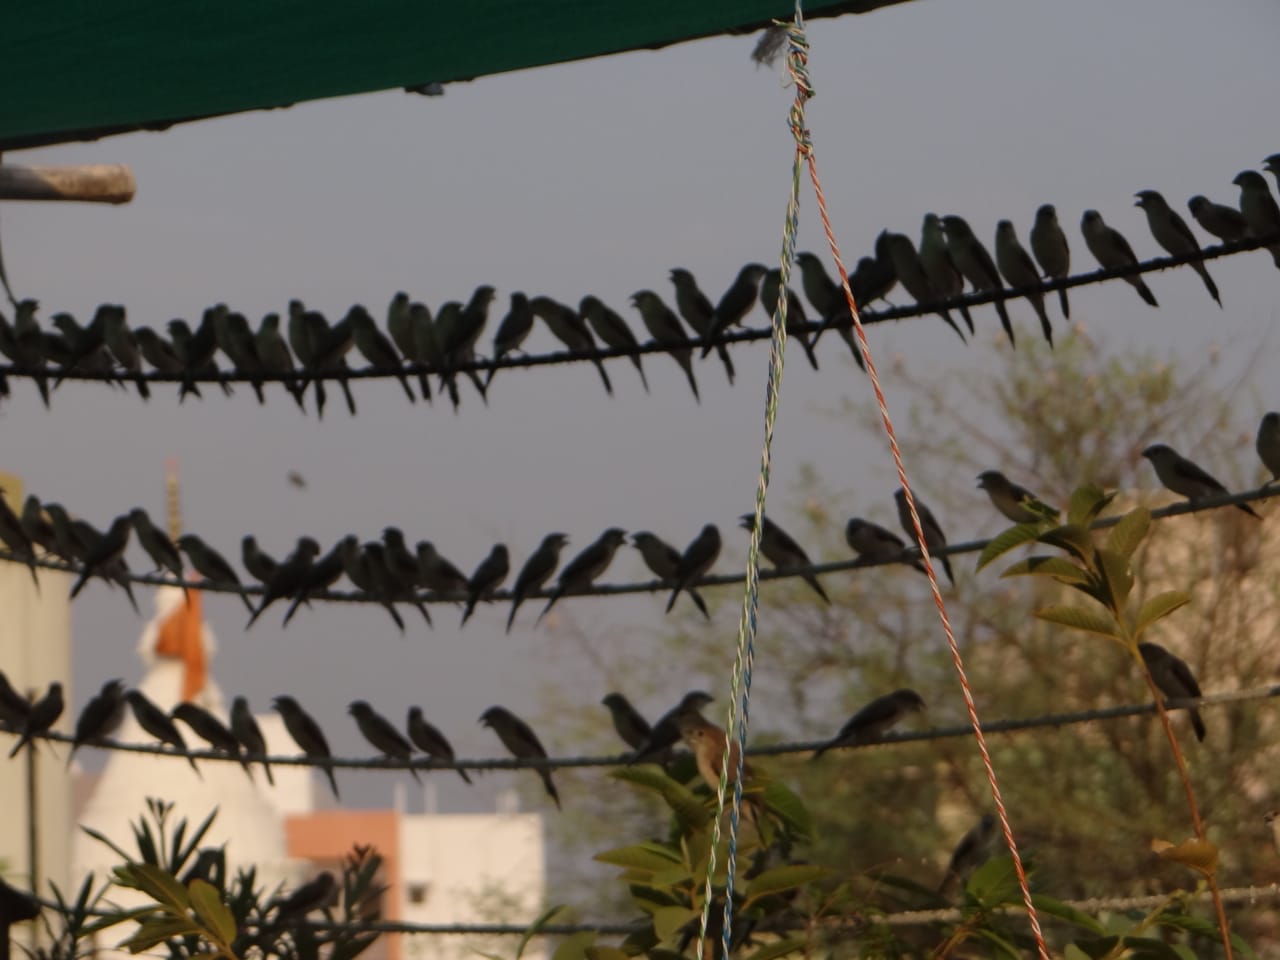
797 59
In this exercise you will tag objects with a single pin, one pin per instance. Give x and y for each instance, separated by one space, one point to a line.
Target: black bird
430 740
157 723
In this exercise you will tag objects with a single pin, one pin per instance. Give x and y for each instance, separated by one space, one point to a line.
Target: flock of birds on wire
387 571
302 349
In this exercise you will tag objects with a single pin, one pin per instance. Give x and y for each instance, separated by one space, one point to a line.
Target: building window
418 893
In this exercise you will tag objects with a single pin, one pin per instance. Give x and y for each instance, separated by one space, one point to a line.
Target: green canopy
82 69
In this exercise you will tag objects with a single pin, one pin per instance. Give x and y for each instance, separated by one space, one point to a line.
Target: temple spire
172 498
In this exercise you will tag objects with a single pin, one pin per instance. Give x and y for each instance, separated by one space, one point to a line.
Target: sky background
598 177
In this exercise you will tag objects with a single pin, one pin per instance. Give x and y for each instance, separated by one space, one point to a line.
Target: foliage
194 909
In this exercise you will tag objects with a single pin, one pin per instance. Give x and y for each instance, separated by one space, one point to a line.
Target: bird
972 259
974 849
782 551
41 716
696 560
260 564
288 577
249 734
512 331
1020 271
664 327
819 289
276 358
1272 166
15 537
376 347
698 312
210 729
107 549
1259 208
873 277
663 560
736 303
1226 223
321 576
612 331
874 544
938 266
1049 245
437 574
381 732
156 543
627 721
210 564
317 894
934 538
14 707
581 572
1111 249
770 291
1017 503
1173 234
1268 444
307 735
430 740
518 737
100 718
708 743
157 723
123 345
874 720
1174 679
537 570
910 271
29 345
1185 478
570 329
488 576
234 338
666 732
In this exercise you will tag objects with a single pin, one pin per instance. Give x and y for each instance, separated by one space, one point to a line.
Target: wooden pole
90 183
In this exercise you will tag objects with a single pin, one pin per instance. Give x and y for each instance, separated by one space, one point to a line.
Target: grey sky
597 178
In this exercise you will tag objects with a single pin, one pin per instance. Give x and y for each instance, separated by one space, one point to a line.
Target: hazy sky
598 177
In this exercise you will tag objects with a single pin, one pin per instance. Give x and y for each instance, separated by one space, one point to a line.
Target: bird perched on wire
1185 478
698 311
666 732
518 737
1016 503
736 303
633 728
1111 250
249 735
211 730
512 331
944 276
708 743
318 894
1020 271
15 538
1174 679
430 740
381 733
910 271
289 577
663 560
307 735
612 331
537 570
1049 245
322 575
104 551
210 564
1272 166
819 289
770 293
258 562
873 277
872 543
1173 234
1259 208
581 572
697 559
1268 444
157 723
664 327
570 329
100 718
781 550
156 543
874 720
974 849
934 538
14 707
1226 223
972 259
376 347
488 576
41 717
436 573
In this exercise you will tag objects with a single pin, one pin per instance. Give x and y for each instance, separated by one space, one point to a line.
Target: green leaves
1159 606
1087 503
1079 618
783 878
1008 540
689 810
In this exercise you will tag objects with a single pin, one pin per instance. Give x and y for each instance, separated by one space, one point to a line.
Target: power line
1181 508
892 739
868 316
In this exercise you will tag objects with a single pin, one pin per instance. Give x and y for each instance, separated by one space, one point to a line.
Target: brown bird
430 740
1174 679
707 741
